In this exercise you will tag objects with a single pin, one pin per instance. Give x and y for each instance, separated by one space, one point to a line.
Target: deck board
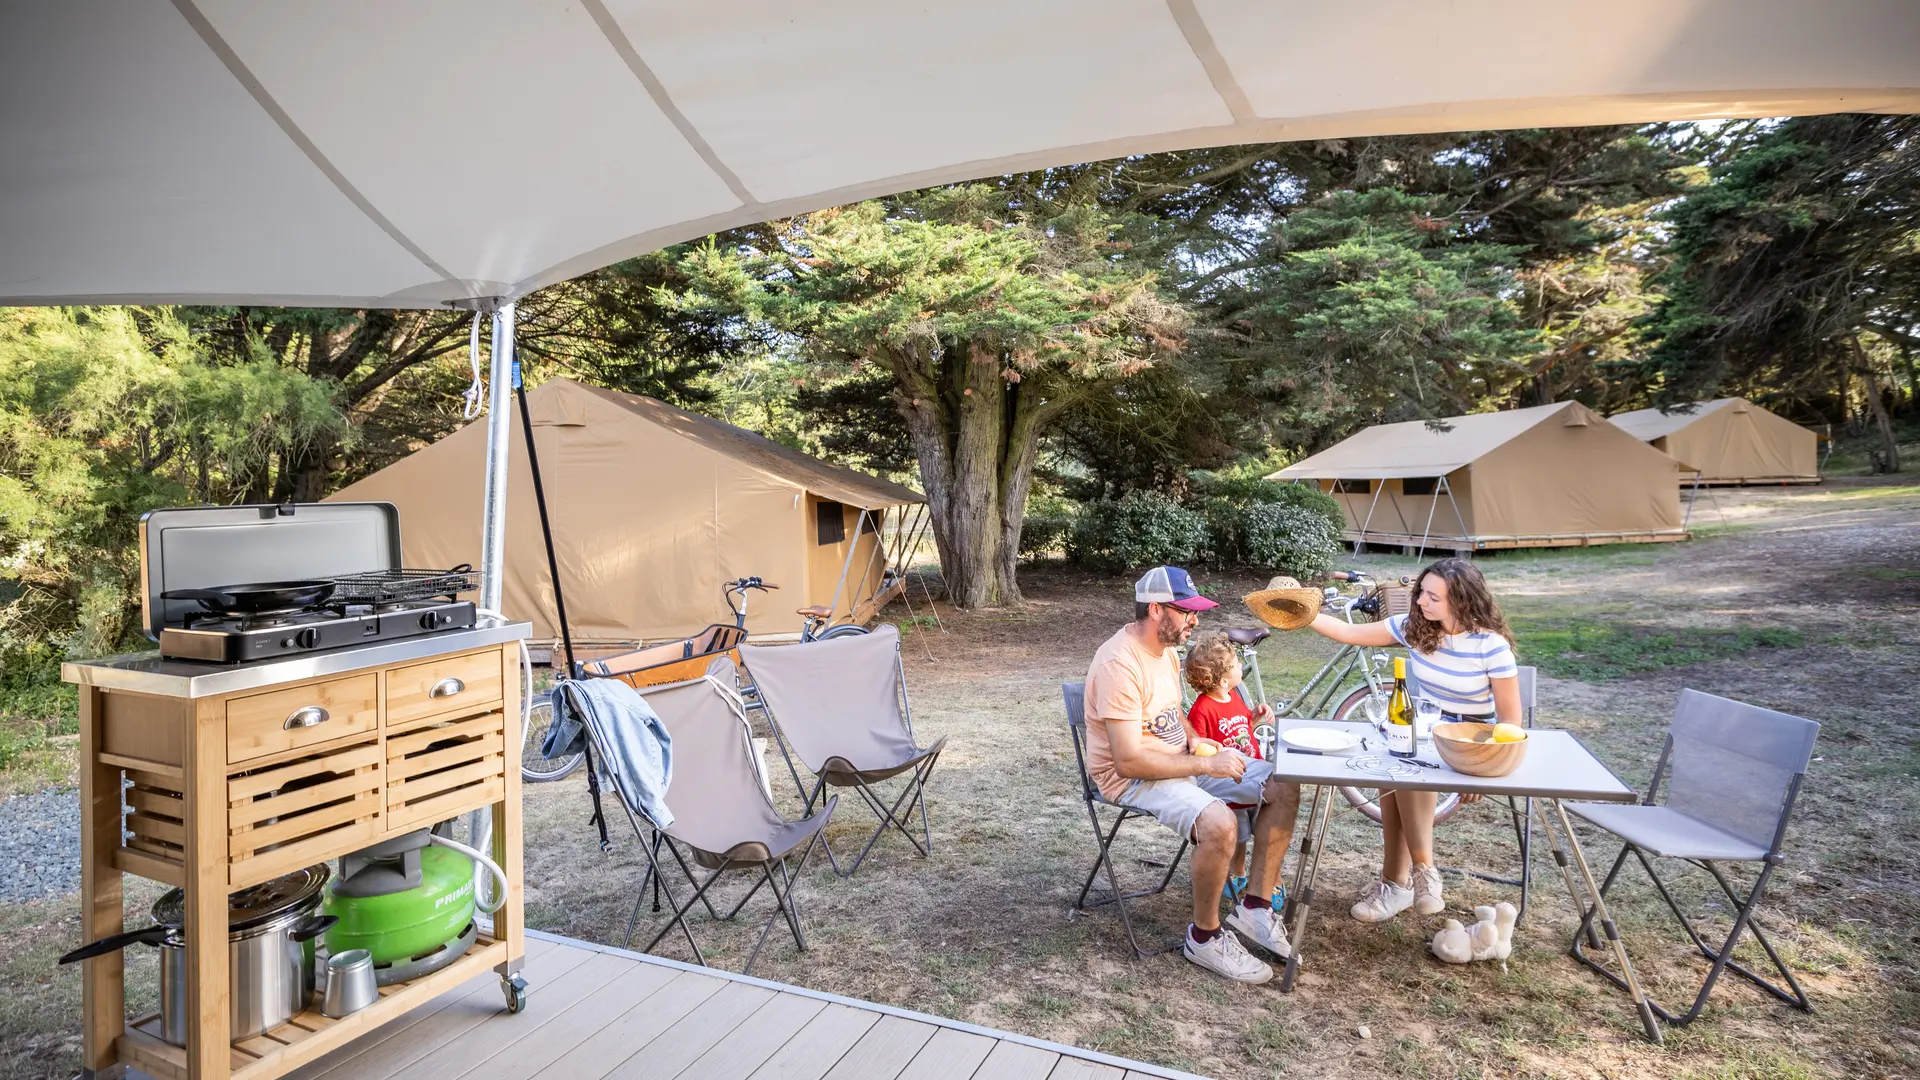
599 1013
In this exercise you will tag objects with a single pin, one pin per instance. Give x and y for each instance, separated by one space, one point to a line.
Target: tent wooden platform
1465 544
600 1013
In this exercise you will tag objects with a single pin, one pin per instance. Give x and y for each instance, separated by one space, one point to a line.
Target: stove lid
204 547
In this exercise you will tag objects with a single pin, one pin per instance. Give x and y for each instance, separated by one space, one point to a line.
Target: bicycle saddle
1248 635
818 611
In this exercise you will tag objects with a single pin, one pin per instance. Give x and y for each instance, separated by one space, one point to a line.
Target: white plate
1324 740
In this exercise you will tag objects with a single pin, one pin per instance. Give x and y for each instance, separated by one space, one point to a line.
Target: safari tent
1729 441
1550 476
652 508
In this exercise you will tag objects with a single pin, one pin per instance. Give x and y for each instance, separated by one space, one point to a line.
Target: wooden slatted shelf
308 1035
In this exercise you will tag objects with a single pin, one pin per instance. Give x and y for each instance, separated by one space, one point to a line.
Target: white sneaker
1224 955
1382 901
1426 890
1262 927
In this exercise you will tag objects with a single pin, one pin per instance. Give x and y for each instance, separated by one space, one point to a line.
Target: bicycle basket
1394 600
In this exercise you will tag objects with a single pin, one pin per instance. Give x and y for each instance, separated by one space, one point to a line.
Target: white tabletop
1557 766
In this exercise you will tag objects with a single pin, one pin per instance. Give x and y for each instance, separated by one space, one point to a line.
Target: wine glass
1426 713
1376 709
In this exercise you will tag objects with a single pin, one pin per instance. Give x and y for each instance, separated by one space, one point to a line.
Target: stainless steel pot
271 929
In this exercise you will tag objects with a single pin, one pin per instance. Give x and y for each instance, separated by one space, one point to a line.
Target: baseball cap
1170 585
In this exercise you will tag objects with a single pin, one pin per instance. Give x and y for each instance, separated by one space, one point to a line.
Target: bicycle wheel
1367 800
843 630
535 766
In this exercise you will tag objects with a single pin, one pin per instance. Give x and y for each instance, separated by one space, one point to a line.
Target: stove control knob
432 620
308 638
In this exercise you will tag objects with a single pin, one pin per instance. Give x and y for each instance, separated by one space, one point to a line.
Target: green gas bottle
401 900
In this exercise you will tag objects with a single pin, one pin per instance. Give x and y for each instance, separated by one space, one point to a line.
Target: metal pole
493 517
493 529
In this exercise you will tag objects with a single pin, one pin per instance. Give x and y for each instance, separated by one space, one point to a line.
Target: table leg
1300 899
1564 862
1599 909
102 978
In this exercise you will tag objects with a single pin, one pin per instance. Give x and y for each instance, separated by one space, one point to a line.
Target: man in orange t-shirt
1140 754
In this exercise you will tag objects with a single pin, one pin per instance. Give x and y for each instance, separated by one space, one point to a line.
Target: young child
1220 712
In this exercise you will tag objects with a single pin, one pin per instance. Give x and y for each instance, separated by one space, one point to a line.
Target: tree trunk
976 437
1889 445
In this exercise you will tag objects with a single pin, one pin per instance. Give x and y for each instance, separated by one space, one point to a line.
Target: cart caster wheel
515 989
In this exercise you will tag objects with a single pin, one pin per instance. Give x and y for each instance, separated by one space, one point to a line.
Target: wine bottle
1400 729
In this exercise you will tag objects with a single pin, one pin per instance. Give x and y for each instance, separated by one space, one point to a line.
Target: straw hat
1284 604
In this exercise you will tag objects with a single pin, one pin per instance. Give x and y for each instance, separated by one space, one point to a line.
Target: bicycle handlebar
746 583
1349 575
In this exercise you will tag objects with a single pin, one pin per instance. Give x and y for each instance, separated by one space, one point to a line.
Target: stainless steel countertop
148 673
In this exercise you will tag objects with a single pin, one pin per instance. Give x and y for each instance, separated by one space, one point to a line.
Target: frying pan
257 597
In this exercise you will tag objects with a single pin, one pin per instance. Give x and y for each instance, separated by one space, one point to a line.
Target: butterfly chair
841 705
721 813
1733 772
1075 696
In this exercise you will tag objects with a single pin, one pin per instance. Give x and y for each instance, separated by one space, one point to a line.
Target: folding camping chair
1736 770
841 705
721 812
1075 696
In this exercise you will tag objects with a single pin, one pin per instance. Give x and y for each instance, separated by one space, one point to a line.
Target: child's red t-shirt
1229 722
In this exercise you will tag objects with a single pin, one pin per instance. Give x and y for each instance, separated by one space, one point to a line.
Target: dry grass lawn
1804 600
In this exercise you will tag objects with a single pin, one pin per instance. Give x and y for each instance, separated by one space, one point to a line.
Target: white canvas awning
417 152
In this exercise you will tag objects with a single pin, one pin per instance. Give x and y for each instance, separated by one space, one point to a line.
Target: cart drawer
295 813
280 720
438 770
443 687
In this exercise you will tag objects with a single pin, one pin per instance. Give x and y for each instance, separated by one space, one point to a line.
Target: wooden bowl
1469 748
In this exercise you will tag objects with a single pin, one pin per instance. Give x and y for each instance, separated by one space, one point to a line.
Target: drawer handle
446 688
307 717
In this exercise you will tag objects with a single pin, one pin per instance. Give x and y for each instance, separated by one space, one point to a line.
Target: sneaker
1426 890
1382 901
1262 927
1225 956
1236 884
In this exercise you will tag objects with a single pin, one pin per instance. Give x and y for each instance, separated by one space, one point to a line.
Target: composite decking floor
599 1013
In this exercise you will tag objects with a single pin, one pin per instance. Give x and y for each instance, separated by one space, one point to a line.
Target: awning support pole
1431 507
1362 541
493 528
1692 494
847 564
493 517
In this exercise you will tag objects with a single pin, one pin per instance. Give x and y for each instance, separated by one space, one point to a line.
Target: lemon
1508 733
1201 749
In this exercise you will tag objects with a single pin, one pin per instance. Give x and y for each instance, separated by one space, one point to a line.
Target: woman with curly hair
1460 654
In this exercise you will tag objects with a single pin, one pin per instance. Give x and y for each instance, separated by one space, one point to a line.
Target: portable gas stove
329 572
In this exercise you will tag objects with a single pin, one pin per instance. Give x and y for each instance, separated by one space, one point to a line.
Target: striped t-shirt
1458 673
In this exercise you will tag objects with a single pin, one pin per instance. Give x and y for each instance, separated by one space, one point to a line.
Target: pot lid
253 905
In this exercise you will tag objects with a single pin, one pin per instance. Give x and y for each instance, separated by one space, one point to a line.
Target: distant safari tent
1730 441
1549 476
653 508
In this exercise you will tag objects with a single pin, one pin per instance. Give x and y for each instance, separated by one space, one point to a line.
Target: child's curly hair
1209 661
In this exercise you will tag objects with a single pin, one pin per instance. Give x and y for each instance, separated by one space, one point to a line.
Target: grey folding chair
1074 694
841 706
721 812
1521 810
1733 772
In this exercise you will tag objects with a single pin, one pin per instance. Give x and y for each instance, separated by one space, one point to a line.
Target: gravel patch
39 845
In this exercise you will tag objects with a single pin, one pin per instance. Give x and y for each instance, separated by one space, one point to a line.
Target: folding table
1557 767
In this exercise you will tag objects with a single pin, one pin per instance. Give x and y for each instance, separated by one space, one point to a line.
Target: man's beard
1173 633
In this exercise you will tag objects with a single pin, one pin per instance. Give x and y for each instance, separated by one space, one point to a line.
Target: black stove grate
402 586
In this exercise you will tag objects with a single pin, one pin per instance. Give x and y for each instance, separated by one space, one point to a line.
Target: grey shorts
1178 803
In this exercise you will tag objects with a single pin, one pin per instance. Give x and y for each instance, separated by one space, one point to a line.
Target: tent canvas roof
1650 424
1412 448
774 459
347 153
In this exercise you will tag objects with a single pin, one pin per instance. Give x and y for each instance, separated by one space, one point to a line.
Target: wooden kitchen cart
215 778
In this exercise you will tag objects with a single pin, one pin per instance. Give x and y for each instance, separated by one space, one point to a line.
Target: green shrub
1138 530
1043 534
1256 522
1296 539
